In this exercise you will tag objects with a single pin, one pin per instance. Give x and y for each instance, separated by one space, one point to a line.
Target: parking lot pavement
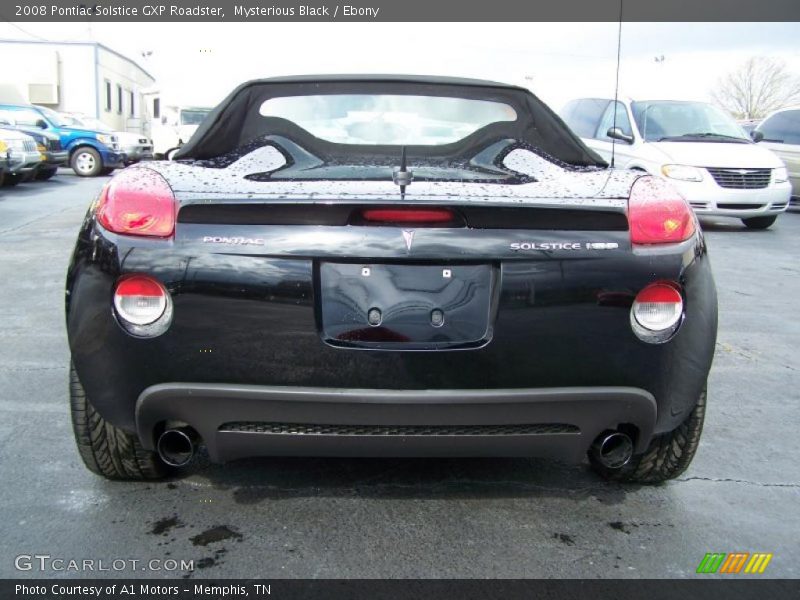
402 518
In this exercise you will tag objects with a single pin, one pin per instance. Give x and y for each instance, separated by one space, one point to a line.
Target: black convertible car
388 266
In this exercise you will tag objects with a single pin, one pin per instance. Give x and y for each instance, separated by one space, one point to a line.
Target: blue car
91 152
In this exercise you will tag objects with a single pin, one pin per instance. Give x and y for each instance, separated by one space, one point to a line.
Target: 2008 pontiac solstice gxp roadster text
388 266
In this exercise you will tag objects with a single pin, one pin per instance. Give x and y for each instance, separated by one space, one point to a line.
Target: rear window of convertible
378 119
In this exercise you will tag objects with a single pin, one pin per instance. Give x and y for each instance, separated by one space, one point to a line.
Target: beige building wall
78 77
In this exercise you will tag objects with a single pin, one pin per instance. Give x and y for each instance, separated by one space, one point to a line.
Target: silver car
780 132
23 157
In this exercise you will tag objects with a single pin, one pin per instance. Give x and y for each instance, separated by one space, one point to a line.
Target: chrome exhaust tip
612 449
176 447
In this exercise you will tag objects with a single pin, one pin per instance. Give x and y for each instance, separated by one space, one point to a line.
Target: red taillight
662 292
658 214
408 215
139 285
138 201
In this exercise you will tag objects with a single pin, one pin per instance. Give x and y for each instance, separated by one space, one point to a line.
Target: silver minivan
780 132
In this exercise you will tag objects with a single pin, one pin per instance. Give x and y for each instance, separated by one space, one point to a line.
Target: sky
201 62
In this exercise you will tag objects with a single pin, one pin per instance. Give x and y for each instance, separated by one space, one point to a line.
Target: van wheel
759 222
107 450
86 162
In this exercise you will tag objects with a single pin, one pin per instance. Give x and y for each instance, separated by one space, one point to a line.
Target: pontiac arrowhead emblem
408 236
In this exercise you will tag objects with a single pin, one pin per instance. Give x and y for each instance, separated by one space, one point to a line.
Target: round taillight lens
657 311
143 305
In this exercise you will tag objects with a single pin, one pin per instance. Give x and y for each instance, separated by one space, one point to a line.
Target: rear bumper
237 421
561 321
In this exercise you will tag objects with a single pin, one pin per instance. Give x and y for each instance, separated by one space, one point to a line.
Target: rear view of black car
388 266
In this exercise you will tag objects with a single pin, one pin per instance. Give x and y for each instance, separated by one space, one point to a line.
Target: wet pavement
400 517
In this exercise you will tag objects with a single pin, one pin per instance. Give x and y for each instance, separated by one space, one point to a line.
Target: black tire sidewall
764 222
105 449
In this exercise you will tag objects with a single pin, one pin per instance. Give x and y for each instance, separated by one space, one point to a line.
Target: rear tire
86 162
105 449
668 455
46 174
759 222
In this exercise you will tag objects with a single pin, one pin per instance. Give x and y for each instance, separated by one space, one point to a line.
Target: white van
696 146
170 124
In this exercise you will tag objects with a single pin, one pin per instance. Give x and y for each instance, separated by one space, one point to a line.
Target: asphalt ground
398 517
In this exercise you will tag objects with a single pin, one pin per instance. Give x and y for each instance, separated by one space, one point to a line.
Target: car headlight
682 172
780 175
3 146
105 139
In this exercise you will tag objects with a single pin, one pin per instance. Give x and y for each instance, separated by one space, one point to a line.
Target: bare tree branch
758 87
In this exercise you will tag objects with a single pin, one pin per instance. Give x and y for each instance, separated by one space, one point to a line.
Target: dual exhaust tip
612 449
177 447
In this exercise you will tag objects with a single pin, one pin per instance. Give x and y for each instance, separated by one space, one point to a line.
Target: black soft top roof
236 120
377 78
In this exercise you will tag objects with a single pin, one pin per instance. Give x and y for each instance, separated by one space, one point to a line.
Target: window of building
132 104
156 108
108 95
119 99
